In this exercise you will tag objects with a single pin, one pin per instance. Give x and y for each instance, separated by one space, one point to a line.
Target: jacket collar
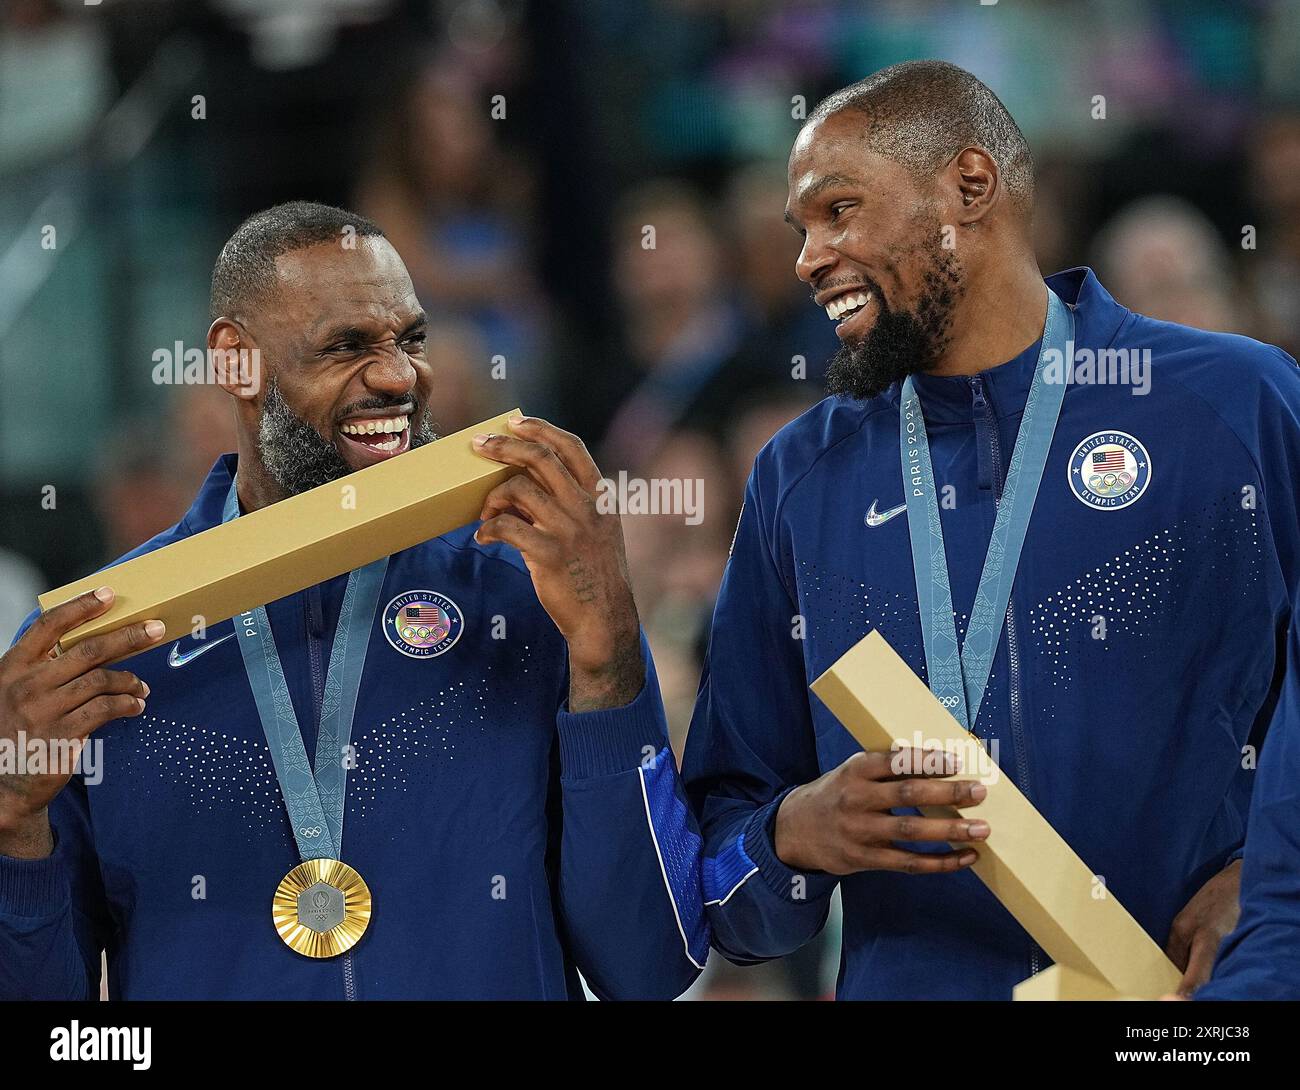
205 512
1097 318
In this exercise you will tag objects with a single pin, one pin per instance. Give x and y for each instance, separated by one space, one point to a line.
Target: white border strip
654 839
727 898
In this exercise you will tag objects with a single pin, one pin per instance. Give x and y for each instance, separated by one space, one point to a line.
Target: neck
1002 316
256 487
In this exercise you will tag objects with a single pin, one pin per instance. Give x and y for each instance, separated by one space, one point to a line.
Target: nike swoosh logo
875 518
175 659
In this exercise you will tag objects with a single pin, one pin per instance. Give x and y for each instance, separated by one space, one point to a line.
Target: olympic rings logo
1111 484
1109 470
949 701
310 832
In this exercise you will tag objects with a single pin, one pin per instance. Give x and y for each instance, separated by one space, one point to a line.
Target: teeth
393 424
845 305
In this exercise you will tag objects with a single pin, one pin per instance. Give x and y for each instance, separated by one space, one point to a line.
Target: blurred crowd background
135 135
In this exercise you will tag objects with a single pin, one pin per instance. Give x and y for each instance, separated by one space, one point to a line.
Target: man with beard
1128 657
483 705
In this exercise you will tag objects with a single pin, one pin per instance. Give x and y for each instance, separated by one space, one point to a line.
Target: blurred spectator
462 393
676 566
1274 267
142 488
1162 258
788 340
677 562
760 417
678 304
456 205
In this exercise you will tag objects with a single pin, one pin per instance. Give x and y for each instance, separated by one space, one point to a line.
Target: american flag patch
1108 460
426 614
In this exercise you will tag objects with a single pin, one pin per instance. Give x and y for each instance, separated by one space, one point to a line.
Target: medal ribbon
315 798
958 677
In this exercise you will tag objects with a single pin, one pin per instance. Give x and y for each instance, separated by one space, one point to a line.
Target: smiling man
1125 545
500 755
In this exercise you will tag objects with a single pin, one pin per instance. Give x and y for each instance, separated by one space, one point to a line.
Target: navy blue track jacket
1261 958
1142 649
506 841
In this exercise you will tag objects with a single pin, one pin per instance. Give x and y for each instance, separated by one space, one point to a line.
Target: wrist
28 836
610 679
786 843
600 648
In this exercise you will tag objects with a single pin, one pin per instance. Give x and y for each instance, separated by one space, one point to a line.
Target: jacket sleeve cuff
758 843
33 888
613 740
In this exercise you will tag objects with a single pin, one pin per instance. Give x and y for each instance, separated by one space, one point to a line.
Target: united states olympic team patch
1109 470
423 624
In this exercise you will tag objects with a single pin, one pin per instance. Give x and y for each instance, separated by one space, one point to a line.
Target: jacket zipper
315 626
1018 748
315 622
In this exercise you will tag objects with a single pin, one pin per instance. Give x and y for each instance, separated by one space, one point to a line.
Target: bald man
1107 500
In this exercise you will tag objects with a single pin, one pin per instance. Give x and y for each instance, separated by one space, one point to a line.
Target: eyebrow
355 333
420 321
344 333
826 181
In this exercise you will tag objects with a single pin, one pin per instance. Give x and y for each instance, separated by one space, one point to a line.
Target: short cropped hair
922 113
245 273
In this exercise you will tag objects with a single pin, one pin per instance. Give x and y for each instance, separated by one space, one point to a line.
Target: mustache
379 403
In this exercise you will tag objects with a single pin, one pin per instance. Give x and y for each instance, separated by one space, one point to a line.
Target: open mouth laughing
851 310
368 438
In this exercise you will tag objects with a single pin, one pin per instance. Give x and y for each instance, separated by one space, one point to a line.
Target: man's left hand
1205 922
574 554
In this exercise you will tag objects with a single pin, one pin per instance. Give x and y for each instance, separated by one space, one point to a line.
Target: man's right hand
59 700
840 822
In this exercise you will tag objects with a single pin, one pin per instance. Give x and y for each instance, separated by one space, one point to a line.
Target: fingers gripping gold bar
298 542
1024 862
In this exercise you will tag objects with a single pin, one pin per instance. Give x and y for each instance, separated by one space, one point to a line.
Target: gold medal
321 908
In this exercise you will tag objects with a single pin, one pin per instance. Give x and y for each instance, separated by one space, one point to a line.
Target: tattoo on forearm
580 581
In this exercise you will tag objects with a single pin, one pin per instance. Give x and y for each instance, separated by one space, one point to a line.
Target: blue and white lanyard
959 676
315 799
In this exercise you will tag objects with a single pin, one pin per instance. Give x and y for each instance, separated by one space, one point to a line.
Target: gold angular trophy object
1100 950
301 541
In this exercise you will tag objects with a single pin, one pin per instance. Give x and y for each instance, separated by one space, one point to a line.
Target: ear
236 360
975 183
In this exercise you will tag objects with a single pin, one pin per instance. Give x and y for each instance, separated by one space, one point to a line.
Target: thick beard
902 342
298 457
